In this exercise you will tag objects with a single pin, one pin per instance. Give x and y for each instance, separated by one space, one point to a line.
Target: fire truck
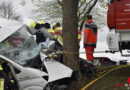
118 21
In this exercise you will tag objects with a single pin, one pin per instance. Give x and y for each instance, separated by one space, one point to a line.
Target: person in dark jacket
39 35
48 27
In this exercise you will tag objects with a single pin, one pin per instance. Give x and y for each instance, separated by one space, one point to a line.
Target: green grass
100 69
109 82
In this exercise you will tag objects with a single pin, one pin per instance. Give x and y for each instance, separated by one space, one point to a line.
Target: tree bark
70 37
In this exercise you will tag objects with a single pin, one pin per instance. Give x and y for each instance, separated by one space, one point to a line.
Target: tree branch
81 4
79 14
84 9
59 2
89 10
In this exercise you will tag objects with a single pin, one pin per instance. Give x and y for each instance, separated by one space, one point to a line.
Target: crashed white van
29 67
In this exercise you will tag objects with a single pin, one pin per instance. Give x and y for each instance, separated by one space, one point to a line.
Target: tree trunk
70 37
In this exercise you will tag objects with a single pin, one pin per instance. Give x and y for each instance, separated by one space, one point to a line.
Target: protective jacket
40 37
5 83
58 30
51 31
90 33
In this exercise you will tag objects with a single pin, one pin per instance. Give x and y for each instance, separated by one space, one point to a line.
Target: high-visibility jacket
32 24
90 33
51 31
58 32
1 84
79 34
1 78
5 82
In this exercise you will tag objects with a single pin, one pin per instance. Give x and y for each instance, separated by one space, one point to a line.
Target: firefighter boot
91 67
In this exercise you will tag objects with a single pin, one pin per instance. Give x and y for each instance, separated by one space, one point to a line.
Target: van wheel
48 87
56 87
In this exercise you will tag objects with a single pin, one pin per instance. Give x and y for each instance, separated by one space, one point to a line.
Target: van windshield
20 47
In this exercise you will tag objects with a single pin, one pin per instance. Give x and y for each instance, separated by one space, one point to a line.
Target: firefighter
39 35
48 27
58 32
32 24
37 25
5 83
90 39
1 78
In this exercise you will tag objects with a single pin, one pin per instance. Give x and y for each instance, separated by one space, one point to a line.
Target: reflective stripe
1 68
51 31
1 84
93 44
79 36
85 38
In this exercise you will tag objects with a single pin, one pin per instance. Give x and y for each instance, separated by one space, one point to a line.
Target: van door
14 78
123 15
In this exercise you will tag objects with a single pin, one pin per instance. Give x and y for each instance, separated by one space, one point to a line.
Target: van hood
36 72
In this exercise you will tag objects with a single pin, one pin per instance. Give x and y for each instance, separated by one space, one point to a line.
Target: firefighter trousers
89 52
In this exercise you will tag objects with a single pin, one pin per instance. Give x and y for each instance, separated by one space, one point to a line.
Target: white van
28 65
25 78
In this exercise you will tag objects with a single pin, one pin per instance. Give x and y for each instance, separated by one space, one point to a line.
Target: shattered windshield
20 47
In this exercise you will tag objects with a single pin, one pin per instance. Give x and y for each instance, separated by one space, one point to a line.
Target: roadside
115 80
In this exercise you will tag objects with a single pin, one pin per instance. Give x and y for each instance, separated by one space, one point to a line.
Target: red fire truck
118 20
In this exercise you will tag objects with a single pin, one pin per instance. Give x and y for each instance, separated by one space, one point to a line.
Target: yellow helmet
41 22
32 24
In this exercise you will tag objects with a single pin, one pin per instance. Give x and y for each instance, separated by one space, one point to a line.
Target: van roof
8 27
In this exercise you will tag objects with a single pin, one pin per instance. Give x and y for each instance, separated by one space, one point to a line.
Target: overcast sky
24 10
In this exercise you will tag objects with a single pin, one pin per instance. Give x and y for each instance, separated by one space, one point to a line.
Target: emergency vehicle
118 20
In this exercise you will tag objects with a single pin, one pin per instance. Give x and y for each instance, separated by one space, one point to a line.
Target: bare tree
84 8
87 8
52 10
7 11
